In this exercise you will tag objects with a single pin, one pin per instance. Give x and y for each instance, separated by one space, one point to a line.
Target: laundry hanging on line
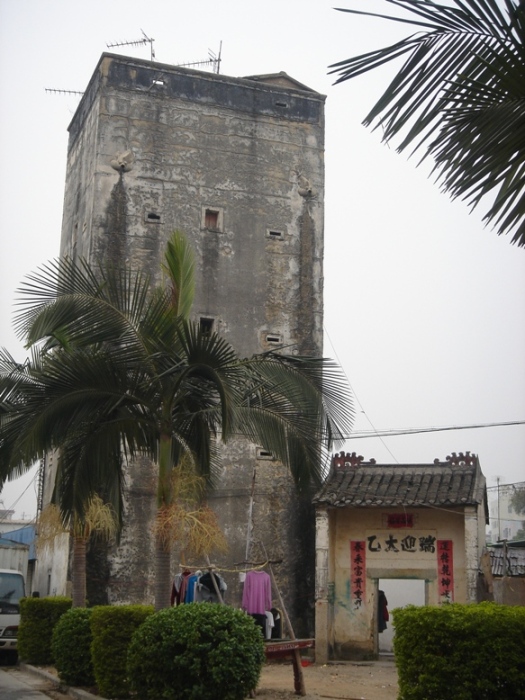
196 587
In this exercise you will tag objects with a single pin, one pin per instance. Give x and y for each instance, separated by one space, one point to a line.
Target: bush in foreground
202 651
71 647
465 652
112 627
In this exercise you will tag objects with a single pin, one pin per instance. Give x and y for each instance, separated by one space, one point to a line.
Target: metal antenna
212 60
64 92
139 42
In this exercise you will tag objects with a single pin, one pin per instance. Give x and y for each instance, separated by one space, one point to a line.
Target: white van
11 590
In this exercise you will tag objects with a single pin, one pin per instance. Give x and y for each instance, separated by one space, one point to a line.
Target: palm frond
297 408
179 267
460 96
64 304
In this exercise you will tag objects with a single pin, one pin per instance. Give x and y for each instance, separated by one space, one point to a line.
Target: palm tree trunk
162 546
79 572
162 574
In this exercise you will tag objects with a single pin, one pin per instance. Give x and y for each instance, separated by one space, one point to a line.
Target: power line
12 506
360 434
374 432
519 484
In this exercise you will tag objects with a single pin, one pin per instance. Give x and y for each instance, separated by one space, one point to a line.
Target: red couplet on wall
357 573
445 563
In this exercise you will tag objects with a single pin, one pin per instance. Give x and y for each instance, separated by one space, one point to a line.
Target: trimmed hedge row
465 652
192 652
38 617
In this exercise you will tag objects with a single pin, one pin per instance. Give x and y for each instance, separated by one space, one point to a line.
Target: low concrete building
393 525
507 572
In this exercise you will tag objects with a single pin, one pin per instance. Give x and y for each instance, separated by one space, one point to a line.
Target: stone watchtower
237 165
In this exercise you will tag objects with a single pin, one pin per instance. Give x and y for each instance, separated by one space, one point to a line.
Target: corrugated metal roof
11 544
24 535
352 482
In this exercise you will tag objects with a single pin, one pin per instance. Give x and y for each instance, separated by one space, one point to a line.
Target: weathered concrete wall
346 629
51 577
238 165
509 590
323 604
52 574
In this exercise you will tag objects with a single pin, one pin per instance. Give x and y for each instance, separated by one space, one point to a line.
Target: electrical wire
12 506
375 433
360 434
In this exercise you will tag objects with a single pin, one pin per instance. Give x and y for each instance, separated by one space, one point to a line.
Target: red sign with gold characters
445 562
400 520
357 573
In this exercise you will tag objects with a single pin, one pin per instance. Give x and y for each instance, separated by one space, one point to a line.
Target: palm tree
121 365
98 520
461 95
86 467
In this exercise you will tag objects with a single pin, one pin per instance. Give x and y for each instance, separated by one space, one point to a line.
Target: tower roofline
262 93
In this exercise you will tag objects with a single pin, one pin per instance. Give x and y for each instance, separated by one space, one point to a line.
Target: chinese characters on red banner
357 572
445 563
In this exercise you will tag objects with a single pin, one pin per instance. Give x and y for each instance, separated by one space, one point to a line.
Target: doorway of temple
399 592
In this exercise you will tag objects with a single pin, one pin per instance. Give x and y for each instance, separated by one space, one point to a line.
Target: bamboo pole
297 667
219 596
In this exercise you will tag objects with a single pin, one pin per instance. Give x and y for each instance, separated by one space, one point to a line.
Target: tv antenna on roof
139 42
64 92
213 60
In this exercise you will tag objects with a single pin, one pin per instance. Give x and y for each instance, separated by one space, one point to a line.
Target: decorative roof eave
393 504
353 483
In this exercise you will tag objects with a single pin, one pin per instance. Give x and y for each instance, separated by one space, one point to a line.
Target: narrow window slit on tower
263 454
281 104
153 216
273 339
277 235
206 325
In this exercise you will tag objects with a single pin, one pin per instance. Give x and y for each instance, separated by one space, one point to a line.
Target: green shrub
112 627
71 647
38 617
200 651
465 652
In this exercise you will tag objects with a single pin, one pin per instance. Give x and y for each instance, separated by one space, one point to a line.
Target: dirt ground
343 681
334 681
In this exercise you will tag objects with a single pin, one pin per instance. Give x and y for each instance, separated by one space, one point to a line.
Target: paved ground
17 685
334 681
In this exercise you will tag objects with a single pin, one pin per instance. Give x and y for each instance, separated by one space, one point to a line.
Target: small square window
212 219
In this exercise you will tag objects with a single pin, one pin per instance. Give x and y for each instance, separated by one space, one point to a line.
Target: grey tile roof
458 481
508 561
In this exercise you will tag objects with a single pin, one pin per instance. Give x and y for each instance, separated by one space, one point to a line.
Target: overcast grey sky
424 306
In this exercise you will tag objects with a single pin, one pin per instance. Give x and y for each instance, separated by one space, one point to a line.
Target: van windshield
11 590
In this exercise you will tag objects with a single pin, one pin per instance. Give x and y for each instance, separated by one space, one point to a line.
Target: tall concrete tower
237 165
